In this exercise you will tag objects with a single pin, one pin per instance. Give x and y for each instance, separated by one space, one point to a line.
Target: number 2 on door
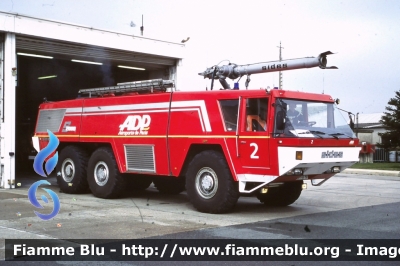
254 154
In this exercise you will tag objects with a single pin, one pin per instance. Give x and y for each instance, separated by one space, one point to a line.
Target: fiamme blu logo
40 158
44 168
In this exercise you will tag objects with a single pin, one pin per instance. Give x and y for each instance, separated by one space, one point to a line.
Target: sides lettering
135 125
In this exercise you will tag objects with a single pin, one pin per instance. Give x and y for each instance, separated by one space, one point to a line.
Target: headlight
295 171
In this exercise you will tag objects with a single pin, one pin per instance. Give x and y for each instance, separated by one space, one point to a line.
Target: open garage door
68 50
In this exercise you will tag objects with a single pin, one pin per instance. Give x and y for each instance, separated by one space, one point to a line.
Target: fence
381 155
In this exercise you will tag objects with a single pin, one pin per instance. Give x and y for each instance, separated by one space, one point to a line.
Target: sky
363 34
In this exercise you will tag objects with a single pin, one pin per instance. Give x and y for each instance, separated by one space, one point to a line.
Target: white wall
8 126
80 34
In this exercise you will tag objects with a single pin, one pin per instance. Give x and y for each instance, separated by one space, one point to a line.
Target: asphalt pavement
351 205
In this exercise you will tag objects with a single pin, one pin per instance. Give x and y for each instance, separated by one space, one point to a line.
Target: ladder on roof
151 86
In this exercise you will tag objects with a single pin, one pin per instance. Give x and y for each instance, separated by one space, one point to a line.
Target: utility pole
142 27
357 125
280 59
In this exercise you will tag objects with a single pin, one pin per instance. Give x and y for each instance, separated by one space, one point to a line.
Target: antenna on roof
142 28
280 59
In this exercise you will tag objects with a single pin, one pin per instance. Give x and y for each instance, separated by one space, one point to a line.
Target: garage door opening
55 78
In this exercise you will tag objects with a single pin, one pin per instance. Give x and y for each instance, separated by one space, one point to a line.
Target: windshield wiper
340 134
317 133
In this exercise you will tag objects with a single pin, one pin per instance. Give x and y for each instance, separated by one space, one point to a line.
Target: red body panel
172 122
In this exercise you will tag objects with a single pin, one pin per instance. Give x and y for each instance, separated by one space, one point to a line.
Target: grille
50 120
140 158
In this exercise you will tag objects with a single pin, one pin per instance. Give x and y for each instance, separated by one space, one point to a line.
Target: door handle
243 142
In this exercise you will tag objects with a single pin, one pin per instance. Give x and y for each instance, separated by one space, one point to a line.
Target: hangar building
53 60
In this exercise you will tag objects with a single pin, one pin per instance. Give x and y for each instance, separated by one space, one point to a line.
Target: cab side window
256 114
229 109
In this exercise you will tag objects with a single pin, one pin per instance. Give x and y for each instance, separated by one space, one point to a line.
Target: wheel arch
197 148
90 147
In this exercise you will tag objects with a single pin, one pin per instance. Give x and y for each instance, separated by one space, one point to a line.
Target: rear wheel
104 178
71 170
209 183
283 195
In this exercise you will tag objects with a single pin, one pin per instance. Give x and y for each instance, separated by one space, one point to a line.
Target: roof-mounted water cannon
234 71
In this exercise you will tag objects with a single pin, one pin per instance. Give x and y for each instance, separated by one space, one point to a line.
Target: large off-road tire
105 180
71 170
283 195
169 185
209 183
137 181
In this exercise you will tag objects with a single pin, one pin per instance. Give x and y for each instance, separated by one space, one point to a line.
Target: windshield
299 118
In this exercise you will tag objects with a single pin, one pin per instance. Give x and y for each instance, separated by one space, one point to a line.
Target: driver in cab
294 116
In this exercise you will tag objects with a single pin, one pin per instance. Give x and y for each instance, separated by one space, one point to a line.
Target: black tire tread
228 195
79 183
116 183
281 196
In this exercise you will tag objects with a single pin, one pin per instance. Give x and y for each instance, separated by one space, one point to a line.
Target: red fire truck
217 144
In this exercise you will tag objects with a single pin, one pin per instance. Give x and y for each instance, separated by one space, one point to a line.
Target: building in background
49 60
368 129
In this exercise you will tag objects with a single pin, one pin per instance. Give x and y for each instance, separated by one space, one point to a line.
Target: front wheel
281 196
105 180
209 183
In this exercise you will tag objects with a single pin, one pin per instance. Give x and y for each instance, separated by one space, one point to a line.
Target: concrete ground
371 172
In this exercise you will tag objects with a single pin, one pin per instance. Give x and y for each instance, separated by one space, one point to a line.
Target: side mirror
280 121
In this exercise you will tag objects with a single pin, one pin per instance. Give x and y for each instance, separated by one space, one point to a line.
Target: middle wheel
105 180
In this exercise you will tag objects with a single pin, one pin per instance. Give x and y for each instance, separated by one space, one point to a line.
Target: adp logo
50 164
135 125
